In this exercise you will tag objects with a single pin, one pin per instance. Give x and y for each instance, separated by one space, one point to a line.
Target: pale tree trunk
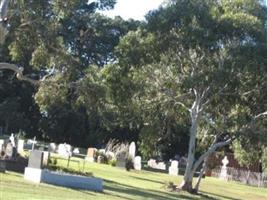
188 176
3 22
189 173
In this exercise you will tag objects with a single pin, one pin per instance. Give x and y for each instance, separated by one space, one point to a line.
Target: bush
2 155
112 162
52 161
129 163
102 158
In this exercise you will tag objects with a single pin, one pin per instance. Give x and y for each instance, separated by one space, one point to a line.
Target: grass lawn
123 185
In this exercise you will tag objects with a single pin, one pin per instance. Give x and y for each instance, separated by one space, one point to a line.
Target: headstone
46 156
223 174
52 147
20 146
76 151
156 165
137 163
64 150
1 144
151 163
9 150
12 140
132 149
32 143
36 159
91 154
121 160
173 169
161 165
2 166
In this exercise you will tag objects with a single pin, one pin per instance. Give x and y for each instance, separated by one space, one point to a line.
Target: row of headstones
173 169
121 160
10 148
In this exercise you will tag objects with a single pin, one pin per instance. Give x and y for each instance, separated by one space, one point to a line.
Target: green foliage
246 157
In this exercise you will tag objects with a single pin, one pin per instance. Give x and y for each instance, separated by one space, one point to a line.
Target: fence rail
244 176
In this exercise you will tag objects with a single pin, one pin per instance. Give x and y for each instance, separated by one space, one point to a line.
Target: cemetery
68 168
133 100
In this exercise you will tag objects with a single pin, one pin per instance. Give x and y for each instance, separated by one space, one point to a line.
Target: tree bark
189 174
4 8
3 23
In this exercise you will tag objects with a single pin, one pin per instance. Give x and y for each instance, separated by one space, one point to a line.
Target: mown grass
122 185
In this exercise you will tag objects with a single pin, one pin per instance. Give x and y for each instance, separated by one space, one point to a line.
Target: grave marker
137 163
36 159
173 169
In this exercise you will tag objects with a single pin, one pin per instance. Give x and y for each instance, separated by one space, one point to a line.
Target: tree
54 43
195 57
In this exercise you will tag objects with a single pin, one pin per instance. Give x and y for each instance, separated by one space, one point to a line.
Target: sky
135 9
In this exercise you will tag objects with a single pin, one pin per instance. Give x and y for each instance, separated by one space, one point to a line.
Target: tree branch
210 151
4 8
19 72
260 115
183 105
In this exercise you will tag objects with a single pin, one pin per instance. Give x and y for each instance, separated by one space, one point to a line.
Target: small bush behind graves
129 163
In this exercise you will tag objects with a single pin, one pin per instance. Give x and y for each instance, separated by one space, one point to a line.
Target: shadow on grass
124 191
204 194
148 180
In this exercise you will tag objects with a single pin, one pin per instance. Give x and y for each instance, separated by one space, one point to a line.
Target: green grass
122 185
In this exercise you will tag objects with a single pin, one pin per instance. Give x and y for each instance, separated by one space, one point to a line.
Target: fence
243 176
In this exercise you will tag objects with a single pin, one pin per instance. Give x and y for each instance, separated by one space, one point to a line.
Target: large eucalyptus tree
203 58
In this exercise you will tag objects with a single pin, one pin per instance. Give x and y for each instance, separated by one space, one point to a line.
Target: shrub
129 163
112 162
102 158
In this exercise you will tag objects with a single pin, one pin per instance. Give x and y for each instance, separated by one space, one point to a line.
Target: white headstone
132 150
12 140
1 144
173 169
52 147
64 150
46 156
161 165
223 174
76 151
137 163
151 163
20 146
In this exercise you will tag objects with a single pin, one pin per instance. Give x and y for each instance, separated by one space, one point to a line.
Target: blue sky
135 9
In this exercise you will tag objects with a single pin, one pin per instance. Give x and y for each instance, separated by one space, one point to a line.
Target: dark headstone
9 150
121 160
36 159
2 166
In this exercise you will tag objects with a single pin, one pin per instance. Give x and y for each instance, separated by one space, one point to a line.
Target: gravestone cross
223 174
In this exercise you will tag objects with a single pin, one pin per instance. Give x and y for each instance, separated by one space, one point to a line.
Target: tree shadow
122 190
217 195
148 180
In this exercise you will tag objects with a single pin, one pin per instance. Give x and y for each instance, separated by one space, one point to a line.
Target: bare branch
212 148
260 115
19 72
183 105
4 8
